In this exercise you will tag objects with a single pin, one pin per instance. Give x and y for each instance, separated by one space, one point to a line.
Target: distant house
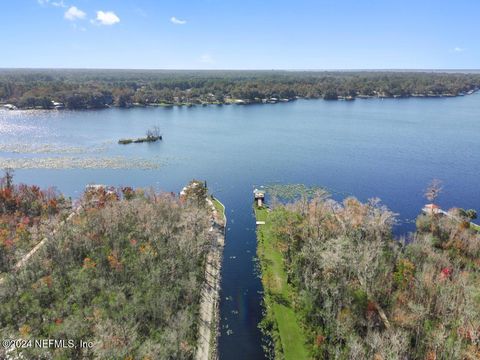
58 105
259 197
10 107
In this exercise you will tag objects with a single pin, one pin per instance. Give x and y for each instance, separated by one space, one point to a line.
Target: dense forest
84 89
358 293
125 273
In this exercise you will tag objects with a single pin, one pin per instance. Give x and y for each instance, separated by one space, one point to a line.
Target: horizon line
251 69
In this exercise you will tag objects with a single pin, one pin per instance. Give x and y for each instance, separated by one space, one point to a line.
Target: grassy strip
290 339
475 227
219 206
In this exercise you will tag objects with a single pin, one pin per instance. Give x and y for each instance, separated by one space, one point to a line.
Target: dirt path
23 261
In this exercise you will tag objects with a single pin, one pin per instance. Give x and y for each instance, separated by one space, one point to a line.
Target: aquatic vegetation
139 140
63 162
44 148
288 192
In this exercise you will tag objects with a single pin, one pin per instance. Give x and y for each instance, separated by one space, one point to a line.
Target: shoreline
243 102
209 321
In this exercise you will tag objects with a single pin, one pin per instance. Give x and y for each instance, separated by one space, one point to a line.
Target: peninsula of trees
124 272
95 89
338 286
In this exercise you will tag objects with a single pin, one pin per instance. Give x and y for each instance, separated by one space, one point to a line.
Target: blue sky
224 34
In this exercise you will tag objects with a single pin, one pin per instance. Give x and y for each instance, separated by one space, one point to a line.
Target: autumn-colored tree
362 295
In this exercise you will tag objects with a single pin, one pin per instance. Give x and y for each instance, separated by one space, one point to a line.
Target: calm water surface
388 149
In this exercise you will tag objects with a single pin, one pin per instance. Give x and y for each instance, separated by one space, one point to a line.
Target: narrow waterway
240 305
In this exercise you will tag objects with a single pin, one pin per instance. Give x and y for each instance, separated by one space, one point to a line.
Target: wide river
389 149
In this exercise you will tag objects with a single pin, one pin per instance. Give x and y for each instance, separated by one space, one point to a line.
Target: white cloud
106 18
207 59
458 49
176 21
59 3
74 13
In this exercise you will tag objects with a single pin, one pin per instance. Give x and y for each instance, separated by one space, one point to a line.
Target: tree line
93 89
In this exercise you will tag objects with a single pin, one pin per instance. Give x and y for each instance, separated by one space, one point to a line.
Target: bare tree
7 180
153 133
433 190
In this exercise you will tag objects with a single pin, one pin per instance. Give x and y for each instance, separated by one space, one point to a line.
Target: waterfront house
58 105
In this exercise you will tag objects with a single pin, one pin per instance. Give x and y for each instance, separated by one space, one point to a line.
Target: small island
152 135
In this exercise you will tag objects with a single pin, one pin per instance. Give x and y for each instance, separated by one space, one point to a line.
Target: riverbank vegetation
357 293
94 89
125 273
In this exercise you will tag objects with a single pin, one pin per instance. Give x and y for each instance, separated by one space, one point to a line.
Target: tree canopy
124 273
360 294
82 89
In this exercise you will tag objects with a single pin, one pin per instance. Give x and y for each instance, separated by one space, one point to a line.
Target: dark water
388 149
